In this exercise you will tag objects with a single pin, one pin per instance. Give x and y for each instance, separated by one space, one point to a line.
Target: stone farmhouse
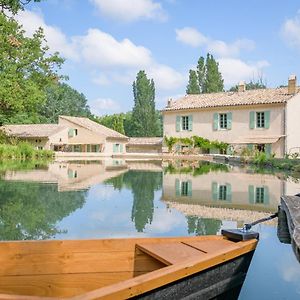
264 119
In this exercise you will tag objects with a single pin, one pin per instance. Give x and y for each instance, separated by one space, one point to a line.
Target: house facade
264 119
71 134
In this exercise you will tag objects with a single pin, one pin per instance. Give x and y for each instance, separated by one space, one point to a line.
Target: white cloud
102 49
190 36
56 39
290 31
101 106
130 10
101 79
193 37
235 70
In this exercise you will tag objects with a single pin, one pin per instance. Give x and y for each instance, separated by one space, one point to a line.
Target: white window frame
223 121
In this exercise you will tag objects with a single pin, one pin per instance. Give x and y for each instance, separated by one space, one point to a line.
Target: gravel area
246 216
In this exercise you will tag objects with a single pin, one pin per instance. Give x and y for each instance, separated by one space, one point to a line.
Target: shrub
297 168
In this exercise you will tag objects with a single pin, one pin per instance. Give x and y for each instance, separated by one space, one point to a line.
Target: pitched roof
33 130
248 97
95 127
145 141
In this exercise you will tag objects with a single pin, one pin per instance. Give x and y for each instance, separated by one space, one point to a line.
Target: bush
296 168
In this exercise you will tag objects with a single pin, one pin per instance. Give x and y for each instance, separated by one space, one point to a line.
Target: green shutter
114 148
251 194
88 148
178 118
268 149
267 119
177 187
214 189
229 120
216 121
250 147
266 195
189 182
97 148
230 150
252 120
190 123
121 148
71 132
228 192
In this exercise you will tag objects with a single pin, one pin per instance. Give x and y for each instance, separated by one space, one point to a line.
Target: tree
63 100
203 226
193 85
115 122
26 69
213 80
207 78
14 5
144 116
251 85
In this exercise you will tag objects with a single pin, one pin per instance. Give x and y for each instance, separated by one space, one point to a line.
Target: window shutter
189 188
88 148
229 120
214 189
71 132
177 187
250 147
251 194
252 120
268 149
190 123
178 118
228 192
97 148
267 119
266 195
121 148
114 148
216 121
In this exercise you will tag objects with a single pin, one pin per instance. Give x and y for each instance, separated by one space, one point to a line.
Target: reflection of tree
202 226
31 210
143 185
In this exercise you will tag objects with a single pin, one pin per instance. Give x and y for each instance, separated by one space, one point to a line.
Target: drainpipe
284 130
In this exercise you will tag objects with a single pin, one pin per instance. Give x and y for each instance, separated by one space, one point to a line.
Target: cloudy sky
106 42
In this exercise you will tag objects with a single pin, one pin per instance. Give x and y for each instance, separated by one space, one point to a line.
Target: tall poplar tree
144 116
193 86
201 73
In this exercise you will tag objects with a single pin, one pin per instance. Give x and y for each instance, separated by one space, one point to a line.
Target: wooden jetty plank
158 278
170 253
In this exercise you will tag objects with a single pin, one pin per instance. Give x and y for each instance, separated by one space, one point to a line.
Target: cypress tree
144 116
213 81
201 73
193 86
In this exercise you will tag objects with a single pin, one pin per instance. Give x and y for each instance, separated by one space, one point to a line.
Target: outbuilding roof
95 127
248 97
145 141
33 130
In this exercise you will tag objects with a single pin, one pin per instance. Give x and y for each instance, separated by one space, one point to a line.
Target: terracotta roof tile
250 97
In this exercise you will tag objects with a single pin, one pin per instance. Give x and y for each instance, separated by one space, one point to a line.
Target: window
260 147
222 192
259 195
185 123
223 121
75 132
184 188
260 119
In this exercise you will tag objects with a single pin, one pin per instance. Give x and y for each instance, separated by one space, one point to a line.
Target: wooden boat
147 268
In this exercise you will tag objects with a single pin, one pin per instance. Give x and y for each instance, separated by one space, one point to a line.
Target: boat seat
176 252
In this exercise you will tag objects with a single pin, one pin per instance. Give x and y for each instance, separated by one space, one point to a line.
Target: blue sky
106 42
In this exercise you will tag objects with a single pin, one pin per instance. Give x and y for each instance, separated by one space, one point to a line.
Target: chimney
242 86
170 102
292 85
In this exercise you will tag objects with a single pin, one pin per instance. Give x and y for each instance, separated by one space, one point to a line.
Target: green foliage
193 85
202 226
144 116
14 5
251 85
207 78
297 168
170 142
63 100
26 69
260 158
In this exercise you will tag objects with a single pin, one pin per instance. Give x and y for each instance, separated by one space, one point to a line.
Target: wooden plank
170 253
64 285
155 279
212 246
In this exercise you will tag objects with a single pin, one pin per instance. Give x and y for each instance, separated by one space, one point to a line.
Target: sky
106 42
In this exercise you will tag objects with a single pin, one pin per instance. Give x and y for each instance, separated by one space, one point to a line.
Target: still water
117 198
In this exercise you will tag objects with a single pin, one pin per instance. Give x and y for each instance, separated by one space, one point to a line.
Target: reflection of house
264 119
71 134
235 189
72 176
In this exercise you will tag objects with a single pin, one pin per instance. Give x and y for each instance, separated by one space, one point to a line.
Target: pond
118 198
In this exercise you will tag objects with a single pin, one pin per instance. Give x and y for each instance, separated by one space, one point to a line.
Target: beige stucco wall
39 142
293 125
203 124
202 189
60 137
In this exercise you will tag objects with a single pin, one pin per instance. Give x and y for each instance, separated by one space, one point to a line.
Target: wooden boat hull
151 268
